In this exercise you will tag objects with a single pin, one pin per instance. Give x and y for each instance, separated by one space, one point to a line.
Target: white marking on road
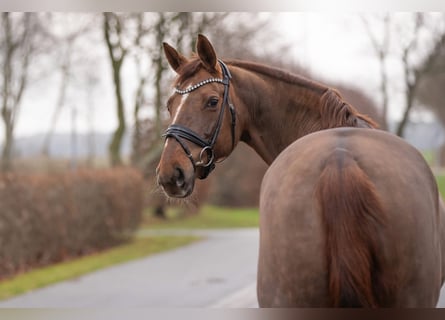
244 298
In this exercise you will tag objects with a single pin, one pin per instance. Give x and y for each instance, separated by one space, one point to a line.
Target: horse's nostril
180 178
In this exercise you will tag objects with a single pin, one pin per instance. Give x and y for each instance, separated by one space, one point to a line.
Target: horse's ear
206 52
175 59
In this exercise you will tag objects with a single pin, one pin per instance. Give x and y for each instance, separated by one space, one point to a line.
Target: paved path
219 272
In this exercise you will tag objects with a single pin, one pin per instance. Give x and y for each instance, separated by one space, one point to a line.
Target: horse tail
353 218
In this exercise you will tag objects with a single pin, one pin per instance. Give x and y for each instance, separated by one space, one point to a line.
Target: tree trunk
6 109
409 105
114 148
116 57
59 105
384 90
91 139
7 147
14 82
159 70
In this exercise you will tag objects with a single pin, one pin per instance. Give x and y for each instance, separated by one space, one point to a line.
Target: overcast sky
337 47
332 46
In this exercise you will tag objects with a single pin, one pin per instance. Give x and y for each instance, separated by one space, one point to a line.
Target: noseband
179 132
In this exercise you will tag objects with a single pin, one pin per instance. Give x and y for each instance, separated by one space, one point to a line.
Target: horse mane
336 112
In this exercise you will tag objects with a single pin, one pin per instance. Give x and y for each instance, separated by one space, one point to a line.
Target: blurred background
82 99
88 90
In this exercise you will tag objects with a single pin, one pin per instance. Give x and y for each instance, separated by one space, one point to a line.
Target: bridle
178 131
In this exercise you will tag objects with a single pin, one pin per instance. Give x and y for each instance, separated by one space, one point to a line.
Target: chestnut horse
349 215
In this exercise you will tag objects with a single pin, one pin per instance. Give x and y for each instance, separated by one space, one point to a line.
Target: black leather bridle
179 132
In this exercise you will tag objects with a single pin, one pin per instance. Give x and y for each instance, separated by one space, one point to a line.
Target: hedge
46 219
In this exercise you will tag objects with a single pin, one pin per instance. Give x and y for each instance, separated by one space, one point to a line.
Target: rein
179 132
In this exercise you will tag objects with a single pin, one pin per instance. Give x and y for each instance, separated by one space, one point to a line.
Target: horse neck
277 112
280 108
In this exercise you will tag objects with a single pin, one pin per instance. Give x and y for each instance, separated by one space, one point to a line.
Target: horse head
202 130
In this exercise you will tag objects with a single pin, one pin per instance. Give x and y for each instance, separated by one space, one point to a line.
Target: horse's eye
213 102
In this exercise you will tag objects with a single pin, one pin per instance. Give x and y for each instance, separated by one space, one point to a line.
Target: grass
440 177
210 217
429 156
441 184
139 247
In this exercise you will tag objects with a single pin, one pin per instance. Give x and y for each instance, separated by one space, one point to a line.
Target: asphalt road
219 272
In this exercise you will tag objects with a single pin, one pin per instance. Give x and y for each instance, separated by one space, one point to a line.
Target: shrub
45 219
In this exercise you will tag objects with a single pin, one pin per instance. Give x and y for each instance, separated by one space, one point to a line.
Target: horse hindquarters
380 193
316 234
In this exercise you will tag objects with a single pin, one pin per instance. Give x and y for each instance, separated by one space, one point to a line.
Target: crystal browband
199 84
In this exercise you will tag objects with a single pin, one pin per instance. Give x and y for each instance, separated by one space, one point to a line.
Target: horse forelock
189 69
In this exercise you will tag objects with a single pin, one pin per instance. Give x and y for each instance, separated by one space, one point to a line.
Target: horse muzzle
177 181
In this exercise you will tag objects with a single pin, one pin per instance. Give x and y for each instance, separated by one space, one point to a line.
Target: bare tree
431 91
16 52
65 70
381 48
142 77
148 26
414 72
91 81
65 47
159 67
431 94
113 34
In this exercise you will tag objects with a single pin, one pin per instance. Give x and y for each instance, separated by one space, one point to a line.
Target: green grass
441 184
429 156
137 248
210 217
